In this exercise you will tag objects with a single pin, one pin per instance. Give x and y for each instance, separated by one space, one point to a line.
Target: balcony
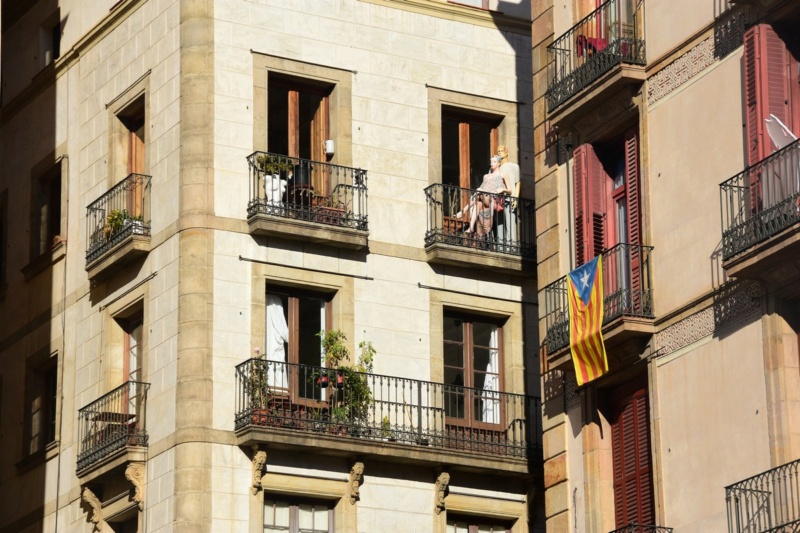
627 300
112 429
600 54
397 419
505 242
760 215
299 199
639 528
118 226
768 502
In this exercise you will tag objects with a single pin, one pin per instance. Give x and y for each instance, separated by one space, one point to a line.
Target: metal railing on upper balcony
384 408
639 528
112 422
292 187
766 503
627 290
121 212
761 201
508 231
608 36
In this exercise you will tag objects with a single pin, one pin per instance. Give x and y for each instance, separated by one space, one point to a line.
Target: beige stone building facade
665 143
191 191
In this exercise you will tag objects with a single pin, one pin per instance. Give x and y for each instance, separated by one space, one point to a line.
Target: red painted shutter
579 180
630 443
589 179
767 90
632 183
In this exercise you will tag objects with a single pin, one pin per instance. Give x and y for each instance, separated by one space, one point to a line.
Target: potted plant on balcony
119 219
272 166
351 401
257 385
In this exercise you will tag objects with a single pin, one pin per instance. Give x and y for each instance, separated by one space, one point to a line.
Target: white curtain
491 386
277 335
323 395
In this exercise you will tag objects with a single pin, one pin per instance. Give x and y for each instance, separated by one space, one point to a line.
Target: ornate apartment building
665 142
191 191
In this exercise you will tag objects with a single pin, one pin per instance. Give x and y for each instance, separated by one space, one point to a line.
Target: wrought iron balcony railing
292 187
627 290
385 408
766 503
761 201
608 36
112 422
639 528
510 231
121 212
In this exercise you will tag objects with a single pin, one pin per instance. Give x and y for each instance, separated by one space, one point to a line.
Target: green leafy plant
386 426
273 164
116 221
356 399
258 381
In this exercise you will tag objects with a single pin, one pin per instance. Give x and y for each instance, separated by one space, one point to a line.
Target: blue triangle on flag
583 279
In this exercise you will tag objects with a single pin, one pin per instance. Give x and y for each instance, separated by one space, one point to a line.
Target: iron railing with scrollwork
639 528
373 407
509 231
121 212
761 201
608 36
112 422
626 291
766 503
301 189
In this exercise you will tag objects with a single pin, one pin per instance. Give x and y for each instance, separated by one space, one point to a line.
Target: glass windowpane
482 333
454 355
453 329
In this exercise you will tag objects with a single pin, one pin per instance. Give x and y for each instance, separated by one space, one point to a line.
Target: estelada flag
585 296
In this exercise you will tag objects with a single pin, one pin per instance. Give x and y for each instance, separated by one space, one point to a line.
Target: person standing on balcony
507 225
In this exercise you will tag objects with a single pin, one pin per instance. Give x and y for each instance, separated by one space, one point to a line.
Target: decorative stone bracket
135 474
96 516
259 469
442 482
355 481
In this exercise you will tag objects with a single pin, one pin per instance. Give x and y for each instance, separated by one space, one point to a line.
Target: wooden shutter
767 64
632 184
630 442
590 181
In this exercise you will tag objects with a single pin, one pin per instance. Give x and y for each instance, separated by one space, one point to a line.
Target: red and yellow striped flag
585 296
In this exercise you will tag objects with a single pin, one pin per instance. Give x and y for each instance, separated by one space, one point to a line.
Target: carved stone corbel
96 516
135 474
442 482
259 468
356 478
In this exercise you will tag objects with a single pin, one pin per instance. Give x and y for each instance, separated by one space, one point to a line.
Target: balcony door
472 375
298 126
468 141
293 346
607 216
632 462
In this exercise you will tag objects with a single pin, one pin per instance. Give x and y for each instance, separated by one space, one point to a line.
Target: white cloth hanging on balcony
776 186
277 336
779 133
491 399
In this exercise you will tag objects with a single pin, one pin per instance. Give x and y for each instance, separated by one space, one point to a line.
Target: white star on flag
585 279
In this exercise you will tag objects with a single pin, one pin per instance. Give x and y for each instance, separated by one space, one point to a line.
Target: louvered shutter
632 182
766 91
630 443
590 181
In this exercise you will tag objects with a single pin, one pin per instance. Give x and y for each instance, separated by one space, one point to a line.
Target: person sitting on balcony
483 203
